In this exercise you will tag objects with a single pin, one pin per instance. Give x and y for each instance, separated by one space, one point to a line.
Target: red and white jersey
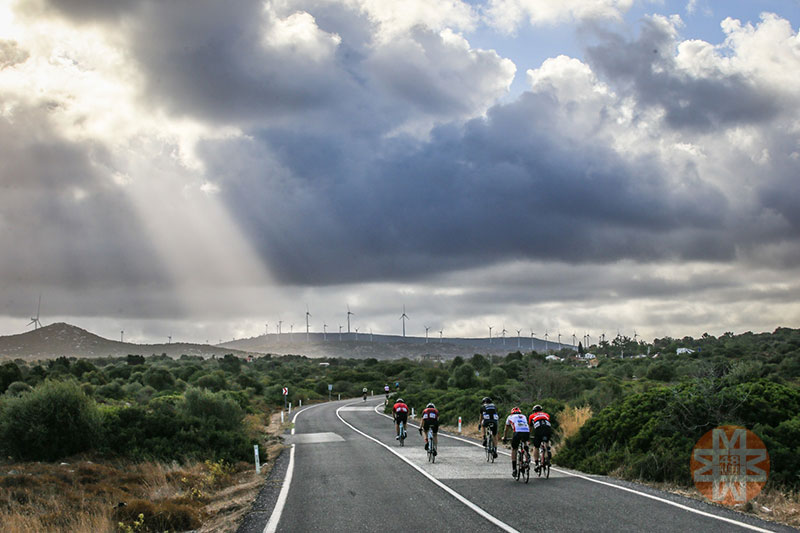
400 408
430 414
539 419
518 422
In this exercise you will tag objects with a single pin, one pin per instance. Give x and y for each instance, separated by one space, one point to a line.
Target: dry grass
572 419
771 505
88 497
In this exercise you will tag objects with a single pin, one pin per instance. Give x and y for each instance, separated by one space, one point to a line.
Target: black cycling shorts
491 425
432 425
401 417
542 433
519 436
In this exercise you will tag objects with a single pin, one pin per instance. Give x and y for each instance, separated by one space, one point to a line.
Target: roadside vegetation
148 441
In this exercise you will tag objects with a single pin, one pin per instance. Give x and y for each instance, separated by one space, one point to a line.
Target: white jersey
519 423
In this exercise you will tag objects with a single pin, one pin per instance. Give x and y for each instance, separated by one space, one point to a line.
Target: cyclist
364 391
542 431
430 420
489 419
400 414
522 432
386 391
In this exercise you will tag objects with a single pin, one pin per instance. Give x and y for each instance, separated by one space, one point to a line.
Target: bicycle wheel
402 434
547 472
492 449
487 446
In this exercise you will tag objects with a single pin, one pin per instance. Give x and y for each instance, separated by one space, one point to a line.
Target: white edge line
627 489
275 517
502 525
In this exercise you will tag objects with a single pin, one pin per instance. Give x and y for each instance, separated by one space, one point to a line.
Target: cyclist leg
537 441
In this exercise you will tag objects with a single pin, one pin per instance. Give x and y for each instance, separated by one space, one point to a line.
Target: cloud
510 15
361 151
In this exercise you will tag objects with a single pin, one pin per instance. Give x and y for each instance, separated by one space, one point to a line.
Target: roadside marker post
412 413
290 407
301 403
459 424
258 460
340 395
281 416
285 396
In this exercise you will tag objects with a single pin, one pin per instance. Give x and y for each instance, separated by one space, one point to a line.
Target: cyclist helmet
400 400
516 411
486 399
537 408
430 406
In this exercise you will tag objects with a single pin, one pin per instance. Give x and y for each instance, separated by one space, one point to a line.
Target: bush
54 420
9 373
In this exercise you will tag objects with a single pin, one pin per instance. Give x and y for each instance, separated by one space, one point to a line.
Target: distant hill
383 346
60 339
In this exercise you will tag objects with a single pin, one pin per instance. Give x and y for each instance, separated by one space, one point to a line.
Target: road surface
346 472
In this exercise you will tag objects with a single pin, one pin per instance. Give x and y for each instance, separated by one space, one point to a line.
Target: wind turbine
169 337
356 334
440 337
280 323
545 341
35 319
324 332
573 340
291 333
340 332
426 334
307 315
404 317
490 334
122 336
504 335
348 318
370 334
266 329
559 340
519 339
531 340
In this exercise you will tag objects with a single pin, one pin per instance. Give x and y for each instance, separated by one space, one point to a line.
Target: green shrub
9 373
54 420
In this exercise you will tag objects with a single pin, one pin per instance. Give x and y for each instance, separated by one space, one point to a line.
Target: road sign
330 387
286 391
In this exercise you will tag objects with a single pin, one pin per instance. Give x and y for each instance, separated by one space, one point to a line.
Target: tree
9 373
464 376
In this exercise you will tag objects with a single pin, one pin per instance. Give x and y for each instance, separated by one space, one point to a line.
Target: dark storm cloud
505 187
647 68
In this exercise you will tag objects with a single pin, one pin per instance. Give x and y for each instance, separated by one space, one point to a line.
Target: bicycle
524 463
402 433
431 447
544 458
489 446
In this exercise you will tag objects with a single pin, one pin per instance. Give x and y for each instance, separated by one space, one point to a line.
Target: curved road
348 473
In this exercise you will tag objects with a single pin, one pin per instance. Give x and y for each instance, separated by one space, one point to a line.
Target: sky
203 170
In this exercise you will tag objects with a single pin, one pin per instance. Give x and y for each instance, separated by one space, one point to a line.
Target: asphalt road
348 473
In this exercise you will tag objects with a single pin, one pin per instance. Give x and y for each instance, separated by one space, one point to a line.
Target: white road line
626 489
499 523
275 517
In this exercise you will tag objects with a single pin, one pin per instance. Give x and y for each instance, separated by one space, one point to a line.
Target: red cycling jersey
537 419
400 408
430 415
